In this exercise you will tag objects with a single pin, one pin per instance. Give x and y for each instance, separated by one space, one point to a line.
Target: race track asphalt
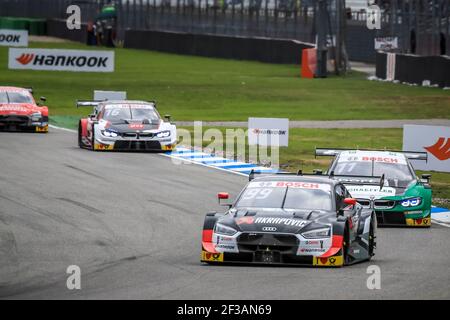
132 223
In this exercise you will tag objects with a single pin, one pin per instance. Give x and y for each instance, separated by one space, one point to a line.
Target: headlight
317 233
163 134
411 202
36 116
221 229
108 133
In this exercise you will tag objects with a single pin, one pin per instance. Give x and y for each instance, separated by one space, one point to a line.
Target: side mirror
350 201
43 99
426 176
167 117
223 196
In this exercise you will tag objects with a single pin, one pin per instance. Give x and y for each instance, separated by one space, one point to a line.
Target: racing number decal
257 193
214 257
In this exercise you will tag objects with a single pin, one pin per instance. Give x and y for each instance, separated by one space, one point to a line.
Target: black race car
290 219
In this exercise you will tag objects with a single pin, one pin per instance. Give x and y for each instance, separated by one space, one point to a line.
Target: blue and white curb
440 216
215 162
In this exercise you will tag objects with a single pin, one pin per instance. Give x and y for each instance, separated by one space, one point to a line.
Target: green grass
302 143
194 88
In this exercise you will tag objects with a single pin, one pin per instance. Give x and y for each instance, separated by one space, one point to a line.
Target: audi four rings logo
269 229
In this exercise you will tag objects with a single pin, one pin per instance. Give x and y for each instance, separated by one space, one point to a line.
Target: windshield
15 97
286 195
373 168
119 113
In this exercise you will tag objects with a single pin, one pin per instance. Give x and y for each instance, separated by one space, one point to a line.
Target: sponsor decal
284 221
136 126
214 257
334 261
290 184
13 38
226 246
424 222
42 129
386 43
268 131
380 159
245 220
441 149
370 191
61 60
13 108
99 146
434 140
312 250
269 229
376 156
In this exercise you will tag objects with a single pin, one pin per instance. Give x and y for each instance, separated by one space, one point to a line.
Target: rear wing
89 103
252 173
411 155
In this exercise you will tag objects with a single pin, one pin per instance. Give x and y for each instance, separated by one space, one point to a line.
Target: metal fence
420 25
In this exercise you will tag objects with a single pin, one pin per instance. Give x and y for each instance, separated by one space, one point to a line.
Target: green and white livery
402 198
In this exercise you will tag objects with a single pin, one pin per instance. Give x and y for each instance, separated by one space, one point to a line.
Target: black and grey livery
290 219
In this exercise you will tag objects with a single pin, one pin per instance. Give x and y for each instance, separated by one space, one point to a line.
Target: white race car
125 125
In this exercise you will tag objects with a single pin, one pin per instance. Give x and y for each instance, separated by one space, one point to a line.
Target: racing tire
93 138
80 142
372 237
346 245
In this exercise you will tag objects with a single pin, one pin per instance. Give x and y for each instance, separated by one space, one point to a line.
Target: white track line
205 165
164 155
440 223
63 129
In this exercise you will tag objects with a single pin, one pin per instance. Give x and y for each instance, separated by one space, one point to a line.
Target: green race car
402 199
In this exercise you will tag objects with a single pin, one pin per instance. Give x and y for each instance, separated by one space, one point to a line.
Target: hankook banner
61 60
13 38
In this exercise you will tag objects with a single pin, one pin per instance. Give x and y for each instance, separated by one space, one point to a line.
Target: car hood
274 220
391 188
18 108
133 126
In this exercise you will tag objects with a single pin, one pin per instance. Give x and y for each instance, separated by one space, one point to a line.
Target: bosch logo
269 229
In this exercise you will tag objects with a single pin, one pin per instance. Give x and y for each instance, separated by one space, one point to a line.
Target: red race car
19 111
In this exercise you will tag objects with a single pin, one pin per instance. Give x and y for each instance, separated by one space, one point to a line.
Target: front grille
378 204
384 204
390 218
137 145
14 119
255 242
364 202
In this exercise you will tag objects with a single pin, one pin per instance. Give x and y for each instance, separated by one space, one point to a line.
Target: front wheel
372 237
346 246
80 138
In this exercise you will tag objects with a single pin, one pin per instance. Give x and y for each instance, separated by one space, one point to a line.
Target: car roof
5 88
298 178
151 103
